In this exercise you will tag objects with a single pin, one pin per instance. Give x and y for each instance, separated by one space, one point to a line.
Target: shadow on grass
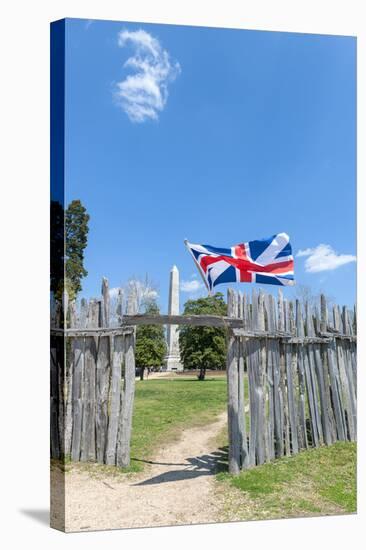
204 465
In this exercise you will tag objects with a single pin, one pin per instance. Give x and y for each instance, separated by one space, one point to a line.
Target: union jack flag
265 261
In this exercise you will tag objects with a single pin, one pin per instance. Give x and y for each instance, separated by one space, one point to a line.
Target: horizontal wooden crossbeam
289 338
232 323
79 333
193 320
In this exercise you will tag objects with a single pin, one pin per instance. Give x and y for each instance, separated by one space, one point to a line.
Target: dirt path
176 488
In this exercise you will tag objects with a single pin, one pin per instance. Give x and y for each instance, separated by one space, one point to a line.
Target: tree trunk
142 372
202 373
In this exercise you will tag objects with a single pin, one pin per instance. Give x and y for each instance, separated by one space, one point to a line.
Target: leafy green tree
203 347
150 342
76 233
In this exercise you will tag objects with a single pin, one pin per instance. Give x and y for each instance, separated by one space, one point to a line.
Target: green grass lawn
314 482
164 407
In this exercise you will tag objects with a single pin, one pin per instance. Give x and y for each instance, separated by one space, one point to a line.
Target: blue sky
243 134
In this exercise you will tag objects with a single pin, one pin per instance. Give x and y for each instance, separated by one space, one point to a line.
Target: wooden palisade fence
298 365
301 377
92 381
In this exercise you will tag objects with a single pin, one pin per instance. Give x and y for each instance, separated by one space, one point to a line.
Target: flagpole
198 267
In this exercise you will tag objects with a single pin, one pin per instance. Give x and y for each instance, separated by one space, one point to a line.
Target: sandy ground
177 487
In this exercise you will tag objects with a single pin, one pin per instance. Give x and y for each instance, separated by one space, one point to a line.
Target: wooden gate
291 376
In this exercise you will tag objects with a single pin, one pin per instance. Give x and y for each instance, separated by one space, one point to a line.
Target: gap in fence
299 364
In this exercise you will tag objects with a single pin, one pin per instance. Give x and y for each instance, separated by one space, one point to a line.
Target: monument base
172 362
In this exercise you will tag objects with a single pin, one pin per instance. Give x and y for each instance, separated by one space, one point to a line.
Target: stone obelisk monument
172 359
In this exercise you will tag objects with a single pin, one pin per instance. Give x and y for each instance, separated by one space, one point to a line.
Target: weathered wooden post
55 392
244 456
105 313
87 450
102 375
128 394
331 435
263 447
246 321
68 383
313 399
349 327
274 372
285 369
114 398
233 407
291 366
344 326
301 374
321 371
77 373
336 395
128 391
271 356
233 393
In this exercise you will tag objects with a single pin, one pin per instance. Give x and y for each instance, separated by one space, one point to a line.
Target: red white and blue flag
265 261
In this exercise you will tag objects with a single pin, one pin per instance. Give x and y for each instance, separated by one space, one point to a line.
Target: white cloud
324 258
191 286
144 93
305 252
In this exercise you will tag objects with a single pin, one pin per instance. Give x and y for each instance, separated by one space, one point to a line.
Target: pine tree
76 233
57 245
